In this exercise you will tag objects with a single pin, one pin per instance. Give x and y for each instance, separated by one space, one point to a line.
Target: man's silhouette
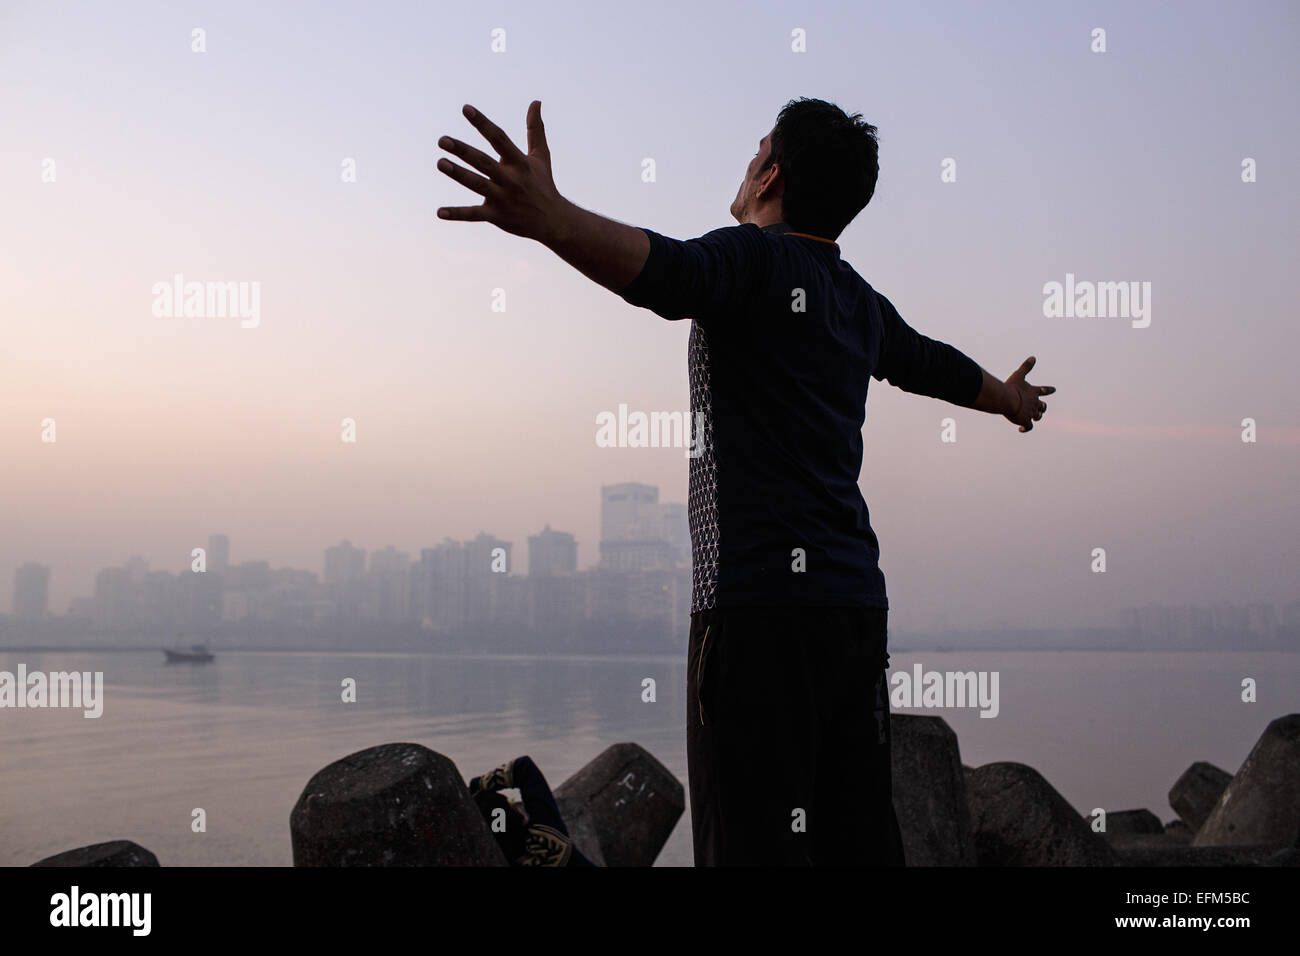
788 713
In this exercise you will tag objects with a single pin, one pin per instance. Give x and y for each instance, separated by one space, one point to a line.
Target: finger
480 185
475 157
493 134
1046 389
537 132
1025 366
463 213
1027 428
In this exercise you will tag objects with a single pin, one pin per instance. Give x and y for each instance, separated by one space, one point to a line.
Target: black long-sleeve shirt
785 336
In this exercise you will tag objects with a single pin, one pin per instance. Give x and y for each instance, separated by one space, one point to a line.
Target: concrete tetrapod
112 853
930 792
397 804
627 800
1019 819
1195 793
1261 806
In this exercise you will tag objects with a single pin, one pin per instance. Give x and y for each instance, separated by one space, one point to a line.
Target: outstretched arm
924 366
519 197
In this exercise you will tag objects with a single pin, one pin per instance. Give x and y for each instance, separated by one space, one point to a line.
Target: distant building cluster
456 593
1214 625
466 594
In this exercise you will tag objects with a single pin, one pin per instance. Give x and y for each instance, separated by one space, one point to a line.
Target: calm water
241 737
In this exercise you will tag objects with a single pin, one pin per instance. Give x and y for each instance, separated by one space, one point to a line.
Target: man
788 713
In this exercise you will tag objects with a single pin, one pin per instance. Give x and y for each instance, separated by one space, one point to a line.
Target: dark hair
512 841
829 162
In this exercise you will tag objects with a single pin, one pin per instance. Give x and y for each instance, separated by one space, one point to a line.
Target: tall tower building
31 592
637 533
344 570
487 564
627 511
675 529
441 586
555 598
552 553
344 564
388 586
218 553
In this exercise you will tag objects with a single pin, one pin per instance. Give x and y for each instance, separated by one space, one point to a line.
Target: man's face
743 205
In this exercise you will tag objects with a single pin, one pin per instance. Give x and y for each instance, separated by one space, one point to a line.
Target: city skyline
648 520
452 594
32 577
1189 626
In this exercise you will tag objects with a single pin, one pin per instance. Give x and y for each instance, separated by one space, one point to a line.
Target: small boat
197 654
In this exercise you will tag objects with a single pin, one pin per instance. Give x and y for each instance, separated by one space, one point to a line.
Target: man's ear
772 185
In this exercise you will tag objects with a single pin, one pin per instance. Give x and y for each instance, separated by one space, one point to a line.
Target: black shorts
788 738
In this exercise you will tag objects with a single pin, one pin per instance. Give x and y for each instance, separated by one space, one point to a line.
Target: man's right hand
1025 405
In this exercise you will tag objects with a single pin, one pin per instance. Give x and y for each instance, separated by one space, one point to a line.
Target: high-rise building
31 592
388 586
344 564
293 597
113 606
627 512
487 564
555 598
440 586
249 576
556 605
644 555
200 599
218 553
675 529
640 605
157 602
344 571
137 568
637 532
551 553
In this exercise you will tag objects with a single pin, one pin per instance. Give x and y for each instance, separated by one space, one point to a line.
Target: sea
240 737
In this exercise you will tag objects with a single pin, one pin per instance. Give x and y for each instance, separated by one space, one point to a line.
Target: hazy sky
226 165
